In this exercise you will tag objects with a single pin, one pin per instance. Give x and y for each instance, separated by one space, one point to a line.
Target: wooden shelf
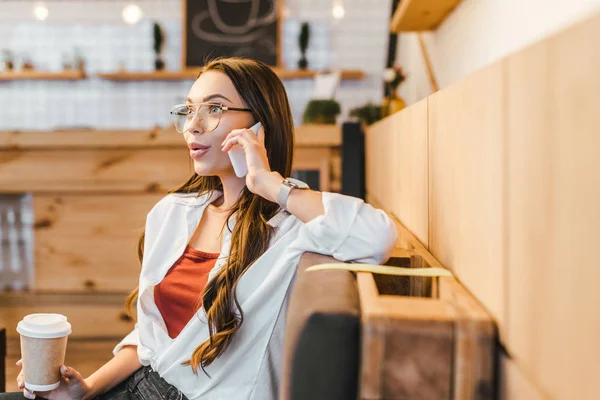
421 15
192 73
69 75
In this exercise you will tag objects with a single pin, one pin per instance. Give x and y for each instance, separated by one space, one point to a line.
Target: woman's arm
305 205
119 368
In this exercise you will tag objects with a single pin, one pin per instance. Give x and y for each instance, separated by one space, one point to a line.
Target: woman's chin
206 169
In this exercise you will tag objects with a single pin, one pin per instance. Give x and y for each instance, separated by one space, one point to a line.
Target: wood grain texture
91 315
421 15
397 167
466 209
309 135
407 346
91 139
553 323
411 184
129 170
85 243
475 340
381 162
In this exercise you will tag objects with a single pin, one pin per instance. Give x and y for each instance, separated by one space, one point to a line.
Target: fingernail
63 370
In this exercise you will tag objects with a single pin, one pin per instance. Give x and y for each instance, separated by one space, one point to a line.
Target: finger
238 132
28 394
229 143
70 375
20 383
244 140
20 363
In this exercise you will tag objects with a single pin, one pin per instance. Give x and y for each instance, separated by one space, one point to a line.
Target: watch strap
284 193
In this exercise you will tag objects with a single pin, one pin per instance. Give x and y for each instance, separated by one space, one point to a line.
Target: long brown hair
264 93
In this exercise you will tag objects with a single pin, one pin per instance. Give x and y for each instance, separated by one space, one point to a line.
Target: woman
220 252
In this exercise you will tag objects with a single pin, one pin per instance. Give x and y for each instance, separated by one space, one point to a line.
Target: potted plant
392 103
367 114
321 112
158 45
303 42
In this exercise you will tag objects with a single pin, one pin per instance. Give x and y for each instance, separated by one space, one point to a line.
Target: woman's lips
197 153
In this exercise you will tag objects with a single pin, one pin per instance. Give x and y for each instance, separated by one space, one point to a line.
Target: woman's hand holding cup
72 386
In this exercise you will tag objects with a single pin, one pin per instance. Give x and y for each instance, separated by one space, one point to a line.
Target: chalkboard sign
243 28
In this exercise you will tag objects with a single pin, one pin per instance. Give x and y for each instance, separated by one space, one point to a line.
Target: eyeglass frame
195 112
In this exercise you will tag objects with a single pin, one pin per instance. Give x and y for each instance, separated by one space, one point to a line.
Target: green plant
159 38
321 112
367 114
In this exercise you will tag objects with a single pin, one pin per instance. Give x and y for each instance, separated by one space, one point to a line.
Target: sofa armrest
322 334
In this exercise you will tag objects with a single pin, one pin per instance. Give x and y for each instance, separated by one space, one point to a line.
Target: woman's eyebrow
210 97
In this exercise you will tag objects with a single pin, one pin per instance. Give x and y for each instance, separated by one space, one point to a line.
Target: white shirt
250 368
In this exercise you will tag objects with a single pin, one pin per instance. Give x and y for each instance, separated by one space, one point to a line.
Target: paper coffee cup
43 347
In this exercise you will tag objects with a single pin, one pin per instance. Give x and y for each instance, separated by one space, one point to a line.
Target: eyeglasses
209 115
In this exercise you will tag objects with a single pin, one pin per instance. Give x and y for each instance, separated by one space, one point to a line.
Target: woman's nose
195 125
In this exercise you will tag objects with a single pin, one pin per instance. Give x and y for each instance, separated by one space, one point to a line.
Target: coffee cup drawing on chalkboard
245 28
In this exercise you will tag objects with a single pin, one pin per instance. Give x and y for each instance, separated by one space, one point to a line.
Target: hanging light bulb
132 13
338 9
40 12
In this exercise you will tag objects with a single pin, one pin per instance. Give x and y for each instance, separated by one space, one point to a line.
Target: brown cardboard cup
43 347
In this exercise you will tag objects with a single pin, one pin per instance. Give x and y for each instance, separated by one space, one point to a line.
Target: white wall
358 41
480 32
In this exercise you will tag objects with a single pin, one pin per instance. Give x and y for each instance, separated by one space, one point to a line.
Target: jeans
144 384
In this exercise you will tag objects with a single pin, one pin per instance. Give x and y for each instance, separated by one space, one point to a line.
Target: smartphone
238 157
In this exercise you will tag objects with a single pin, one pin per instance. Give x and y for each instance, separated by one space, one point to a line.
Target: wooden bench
373 336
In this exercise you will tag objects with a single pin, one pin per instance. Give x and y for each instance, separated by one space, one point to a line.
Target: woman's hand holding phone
255 164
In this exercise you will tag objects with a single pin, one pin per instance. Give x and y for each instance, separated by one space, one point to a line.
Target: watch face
297 183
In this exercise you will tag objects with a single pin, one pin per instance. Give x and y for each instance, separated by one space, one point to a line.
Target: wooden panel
398 146
515 385
410 188
89 242
475 339
90 315
407 345
553 271
91 139
309 135
466 179
421 15
380 155
406 239
318 135
131 170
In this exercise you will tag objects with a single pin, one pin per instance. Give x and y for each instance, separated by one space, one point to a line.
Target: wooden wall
513 193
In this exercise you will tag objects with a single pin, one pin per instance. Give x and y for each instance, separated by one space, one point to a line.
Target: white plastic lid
44 326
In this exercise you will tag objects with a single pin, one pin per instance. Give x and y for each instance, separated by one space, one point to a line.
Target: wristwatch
287 185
